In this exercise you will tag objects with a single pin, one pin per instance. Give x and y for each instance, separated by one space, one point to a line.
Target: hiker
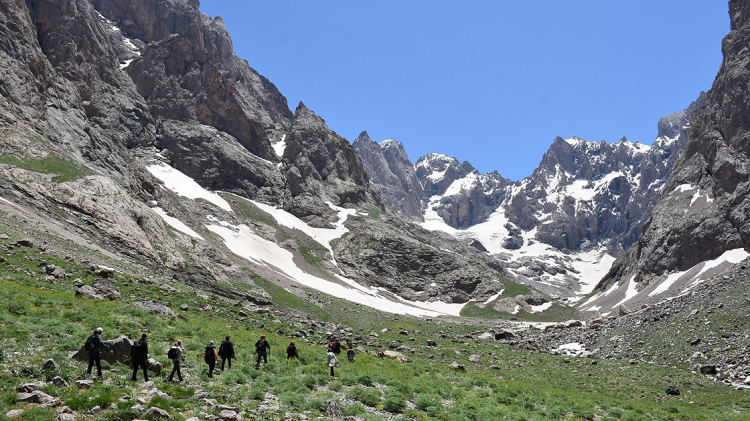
139 355
176 355
210 357
336 347
94 346
350 355
226 352
291 351
260 349
381 354
332 361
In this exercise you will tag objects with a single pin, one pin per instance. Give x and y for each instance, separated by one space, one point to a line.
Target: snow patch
541 308
494 297
280 146
242 241
176 223
185 186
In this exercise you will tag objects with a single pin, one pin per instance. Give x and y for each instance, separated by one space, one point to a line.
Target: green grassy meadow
43 320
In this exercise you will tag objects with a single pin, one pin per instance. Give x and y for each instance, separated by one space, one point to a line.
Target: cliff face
116 116
705 208
392 172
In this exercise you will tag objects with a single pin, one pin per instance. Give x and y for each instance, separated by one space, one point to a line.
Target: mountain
133 137
700 227
558 229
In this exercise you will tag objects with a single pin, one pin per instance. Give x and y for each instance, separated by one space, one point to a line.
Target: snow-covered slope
562 227
247 242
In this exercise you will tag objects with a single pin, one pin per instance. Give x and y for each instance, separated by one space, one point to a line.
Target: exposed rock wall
392 172
705 208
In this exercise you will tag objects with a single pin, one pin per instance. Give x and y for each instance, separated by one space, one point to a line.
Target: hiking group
139 355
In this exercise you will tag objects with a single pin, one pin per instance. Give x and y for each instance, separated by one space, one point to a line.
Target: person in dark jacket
336 347
179 357
350 355
291 351
210 357
140 357
226 352
95 354
260 348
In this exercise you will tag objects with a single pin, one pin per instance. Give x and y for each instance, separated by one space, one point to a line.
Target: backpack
172 353
260 346
136 351
90 343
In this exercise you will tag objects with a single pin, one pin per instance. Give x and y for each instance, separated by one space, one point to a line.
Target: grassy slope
42 320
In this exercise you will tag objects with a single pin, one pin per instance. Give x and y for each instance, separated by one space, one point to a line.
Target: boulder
106 288
624 311
113 350
157 413
573 323
39 397
673 391
104 272
184 307
505 334
26 242
430 342
155 366
155 308
28 387
50 365
88 292
84 384
333 410
708 369
475 358
456 366
228 415
59 382
395 355
14 413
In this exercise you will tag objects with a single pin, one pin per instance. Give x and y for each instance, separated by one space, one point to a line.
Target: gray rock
106 288
155 308
84 384
333 409
14 413
431 342
88 292
39 397
157 413
673 391
59 382
113 351
50 365
475 358
228 415
456 366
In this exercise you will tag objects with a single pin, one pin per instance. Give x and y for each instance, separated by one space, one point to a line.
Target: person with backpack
332 360
210 357
176 355
94 346
291 351
226 352
336 347
139 356
260 348
350 355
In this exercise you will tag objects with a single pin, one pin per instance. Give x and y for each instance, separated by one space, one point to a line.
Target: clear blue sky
489 82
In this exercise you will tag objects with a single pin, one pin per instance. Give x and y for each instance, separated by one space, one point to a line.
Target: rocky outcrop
391 171
322 166
706 202
415 263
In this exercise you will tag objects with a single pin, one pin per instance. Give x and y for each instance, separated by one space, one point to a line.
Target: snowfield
244 242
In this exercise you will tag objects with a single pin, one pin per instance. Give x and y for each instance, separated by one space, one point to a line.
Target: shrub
335 385
317 405
353 410
394 403
369 397
365 380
